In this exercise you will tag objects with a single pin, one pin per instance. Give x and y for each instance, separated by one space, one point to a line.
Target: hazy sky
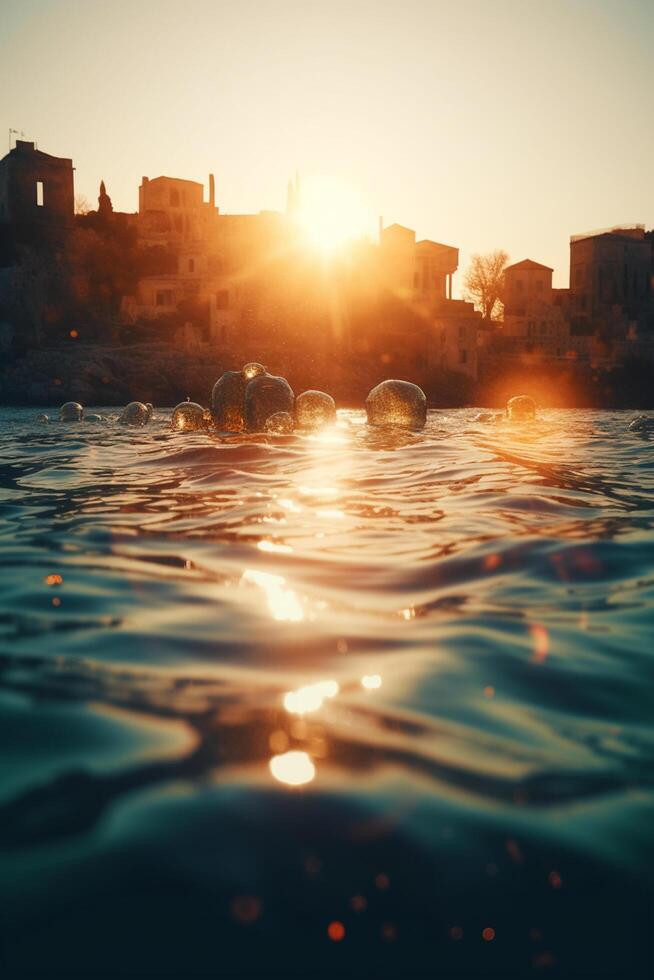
499 123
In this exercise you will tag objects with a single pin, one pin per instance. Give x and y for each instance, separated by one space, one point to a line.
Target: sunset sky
480 124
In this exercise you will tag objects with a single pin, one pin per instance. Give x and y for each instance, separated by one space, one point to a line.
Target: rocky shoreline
112 375
164 375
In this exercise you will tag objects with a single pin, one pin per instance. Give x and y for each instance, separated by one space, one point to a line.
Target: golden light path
331 213
319 487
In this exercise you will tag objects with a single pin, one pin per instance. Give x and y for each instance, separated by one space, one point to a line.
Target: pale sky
480 123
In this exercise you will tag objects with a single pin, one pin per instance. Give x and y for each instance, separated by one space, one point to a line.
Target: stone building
533 322
218 257
421 274
610 280
36 194
172 211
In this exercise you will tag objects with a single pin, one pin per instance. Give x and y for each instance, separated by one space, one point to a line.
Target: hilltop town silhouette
110 305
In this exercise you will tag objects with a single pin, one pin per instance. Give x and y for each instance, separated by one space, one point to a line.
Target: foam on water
398 681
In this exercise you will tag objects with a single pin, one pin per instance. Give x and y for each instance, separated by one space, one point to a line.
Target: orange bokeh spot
382 881
73 334
336 931
541 639
488 934
489 691
53 579
246 909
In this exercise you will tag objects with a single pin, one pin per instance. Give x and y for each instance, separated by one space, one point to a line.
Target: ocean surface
365 702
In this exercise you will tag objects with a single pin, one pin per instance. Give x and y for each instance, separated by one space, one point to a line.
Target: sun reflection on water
310 697
283 602
274 548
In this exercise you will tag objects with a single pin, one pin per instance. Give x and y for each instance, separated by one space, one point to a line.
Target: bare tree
82 205
483 282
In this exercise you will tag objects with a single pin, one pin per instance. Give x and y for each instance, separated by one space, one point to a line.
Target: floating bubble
642 423
280 424
228 401
253 370
136 413
93 417
43 419
266 395
71 412
189 417
150 408
397 403
484 417
314 409
521 408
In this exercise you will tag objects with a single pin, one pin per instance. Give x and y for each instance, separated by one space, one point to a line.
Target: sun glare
332 214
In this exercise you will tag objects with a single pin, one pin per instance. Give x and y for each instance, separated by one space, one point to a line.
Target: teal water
470 608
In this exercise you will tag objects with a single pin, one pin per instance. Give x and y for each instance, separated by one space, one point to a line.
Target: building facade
533 321
420 273
611 280
36 193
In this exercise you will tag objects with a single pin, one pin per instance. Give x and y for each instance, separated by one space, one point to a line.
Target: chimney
144 181
212 191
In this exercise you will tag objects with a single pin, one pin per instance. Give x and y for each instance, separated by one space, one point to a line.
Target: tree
484 282
82 205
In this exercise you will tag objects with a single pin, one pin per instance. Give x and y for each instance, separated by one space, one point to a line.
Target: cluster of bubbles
252 400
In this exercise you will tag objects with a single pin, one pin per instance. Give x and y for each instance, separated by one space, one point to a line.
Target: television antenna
15 132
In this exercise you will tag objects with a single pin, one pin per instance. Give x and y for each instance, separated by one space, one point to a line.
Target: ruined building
36 195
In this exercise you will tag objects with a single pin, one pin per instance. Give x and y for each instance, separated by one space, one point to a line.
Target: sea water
360 700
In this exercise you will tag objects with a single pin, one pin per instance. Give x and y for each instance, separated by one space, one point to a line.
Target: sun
331 214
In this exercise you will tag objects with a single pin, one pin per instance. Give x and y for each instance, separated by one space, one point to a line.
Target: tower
293 199
105 207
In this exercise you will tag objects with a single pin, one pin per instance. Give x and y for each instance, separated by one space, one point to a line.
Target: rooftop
618 231
528 264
